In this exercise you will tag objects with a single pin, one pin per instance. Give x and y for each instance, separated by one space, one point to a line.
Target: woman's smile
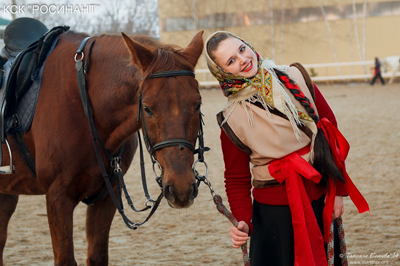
248 67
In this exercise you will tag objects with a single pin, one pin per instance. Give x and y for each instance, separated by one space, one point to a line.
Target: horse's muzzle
180 198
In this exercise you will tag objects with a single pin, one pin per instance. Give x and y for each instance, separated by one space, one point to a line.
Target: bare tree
356 30
351 49
364 51
143 18
330 35
134 16
361 52
281 30
271 16
364 29
13 15
78 21
110 21
195 14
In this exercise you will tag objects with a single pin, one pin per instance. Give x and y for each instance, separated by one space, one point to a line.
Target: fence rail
210 81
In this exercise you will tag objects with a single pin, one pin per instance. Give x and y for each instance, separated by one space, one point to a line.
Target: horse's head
169 108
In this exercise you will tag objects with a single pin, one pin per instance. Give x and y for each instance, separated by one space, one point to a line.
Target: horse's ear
194 49
140 55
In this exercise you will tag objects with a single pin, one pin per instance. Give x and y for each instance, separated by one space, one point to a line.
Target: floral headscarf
232 84
268 88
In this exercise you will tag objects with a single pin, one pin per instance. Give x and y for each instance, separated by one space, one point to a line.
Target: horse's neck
113 85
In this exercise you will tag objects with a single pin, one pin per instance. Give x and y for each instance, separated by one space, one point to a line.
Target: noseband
181 143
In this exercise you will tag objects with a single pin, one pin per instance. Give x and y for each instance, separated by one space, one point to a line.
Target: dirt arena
368 117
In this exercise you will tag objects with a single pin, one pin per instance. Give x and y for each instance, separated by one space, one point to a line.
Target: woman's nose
242 59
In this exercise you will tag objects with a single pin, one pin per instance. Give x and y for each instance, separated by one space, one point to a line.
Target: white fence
209 80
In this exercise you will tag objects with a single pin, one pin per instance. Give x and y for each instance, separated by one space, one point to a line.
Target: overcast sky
90 16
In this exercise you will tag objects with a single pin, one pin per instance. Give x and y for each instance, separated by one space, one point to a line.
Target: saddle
27 44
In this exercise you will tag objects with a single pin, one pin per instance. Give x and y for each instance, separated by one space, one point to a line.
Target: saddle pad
27 104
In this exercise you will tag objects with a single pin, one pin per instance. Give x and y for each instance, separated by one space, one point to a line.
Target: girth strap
23 149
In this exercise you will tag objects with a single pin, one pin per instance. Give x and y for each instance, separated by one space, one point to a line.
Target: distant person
377 72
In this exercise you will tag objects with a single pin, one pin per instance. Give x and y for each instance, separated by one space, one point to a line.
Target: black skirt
272 241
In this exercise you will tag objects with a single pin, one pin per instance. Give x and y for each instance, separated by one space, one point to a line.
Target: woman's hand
239 235
338 208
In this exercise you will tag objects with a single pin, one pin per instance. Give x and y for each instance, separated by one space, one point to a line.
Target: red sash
308 242
340 149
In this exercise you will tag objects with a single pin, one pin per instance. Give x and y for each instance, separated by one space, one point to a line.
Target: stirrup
7 169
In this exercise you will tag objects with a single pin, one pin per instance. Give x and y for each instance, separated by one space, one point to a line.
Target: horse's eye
197 108
147 110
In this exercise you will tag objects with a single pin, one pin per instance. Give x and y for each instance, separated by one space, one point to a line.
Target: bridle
115 173
166 143
181 143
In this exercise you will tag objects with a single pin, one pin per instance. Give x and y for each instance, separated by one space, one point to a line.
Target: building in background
305 31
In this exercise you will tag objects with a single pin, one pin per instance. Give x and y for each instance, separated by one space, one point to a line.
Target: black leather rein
115 173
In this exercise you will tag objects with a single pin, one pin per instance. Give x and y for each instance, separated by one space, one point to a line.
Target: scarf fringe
289 109
312 148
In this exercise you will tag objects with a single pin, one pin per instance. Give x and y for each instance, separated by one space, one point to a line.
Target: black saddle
20 33
27 44
27 64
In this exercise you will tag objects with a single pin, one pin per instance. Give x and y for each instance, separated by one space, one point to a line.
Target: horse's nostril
168 193
195 191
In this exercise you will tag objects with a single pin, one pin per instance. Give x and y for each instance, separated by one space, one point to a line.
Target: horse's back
59 138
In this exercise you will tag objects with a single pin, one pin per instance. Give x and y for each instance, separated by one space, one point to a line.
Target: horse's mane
166 56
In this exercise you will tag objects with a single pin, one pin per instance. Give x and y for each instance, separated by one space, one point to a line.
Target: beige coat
265 136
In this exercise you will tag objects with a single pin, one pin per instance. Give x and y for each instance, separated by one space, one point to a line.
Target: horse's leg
98 223
8 203
60 210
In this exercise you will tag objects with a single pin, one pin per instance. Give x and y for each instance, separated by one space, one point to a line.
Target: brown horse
60 140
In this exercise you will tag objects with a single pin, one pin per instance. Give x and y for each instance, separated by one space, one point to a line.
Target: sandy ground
368 117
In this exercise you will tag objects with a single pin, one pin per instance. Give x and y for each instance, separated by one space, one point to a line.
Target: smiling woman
234 55
277 120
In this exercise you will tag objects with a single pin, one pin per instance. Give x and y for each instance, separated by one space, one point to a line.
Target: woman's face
233 56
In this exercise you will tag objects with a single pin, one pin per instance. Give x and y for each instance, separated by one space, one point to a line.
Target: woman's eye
231 62
243 48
